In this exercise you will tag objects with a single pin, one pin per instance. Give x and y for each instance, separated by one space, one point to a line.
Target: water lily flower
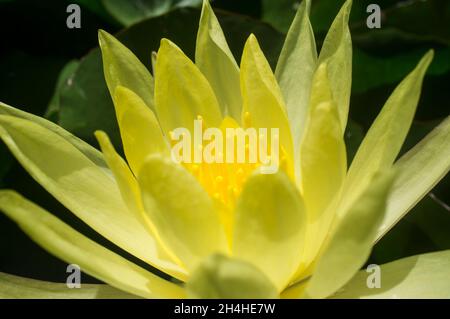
222 230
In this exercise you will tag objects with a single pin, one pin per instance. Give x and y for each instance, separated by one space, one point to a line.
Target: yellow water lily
220 230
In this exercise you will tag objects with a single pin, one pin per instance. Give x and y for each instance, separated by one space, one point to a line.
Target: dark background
40 56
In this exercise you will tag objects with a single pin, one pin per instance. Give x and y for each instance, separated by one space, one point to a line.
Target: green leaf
128 12
97 8
295 70
353 136
13 287
421 276
389 70
73 247
7 163
418 171
385 137
423 229
350 243
64 76
220 277
279 13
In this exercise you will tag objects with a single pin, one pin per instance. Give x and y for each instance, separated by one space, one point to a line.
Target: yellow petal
80 185
131 196
295 70
215 60
270 224
385 137
323 162
73 247
182 93
263 103
295 291
221 277
351 241
181 210
139 128
122 67
90 152
418 171
337 52
15 287
422 276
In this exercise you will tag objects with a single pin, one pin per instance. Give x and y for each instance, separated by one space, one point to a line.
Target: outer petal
337 51
295 70
417 172
270 224
122 67
385 137
214 58
14 287
181 210
350 243
131 195
419 277
90 152
323 161
139 128
222 277
182 92
71 246
263 101
80 185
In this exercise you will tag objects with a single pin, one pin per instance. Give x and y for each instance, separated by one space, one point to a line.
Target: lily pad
128 12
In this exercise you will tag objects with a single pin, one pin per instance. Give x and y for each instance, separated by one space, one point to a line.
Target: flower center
223 159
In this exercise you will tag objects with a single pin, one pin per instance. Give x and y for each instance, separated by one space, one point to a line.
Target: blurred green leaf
354 134
128 12
64 76
95 7
280 13
6 161
371 71
414 19
424 229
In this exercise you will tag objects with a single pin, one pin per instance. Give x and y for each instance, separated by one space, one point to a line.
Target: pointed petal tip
167 46
424 62
103 37
251 43
205 5
104 143
120 92
252 38
101 136
429 56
